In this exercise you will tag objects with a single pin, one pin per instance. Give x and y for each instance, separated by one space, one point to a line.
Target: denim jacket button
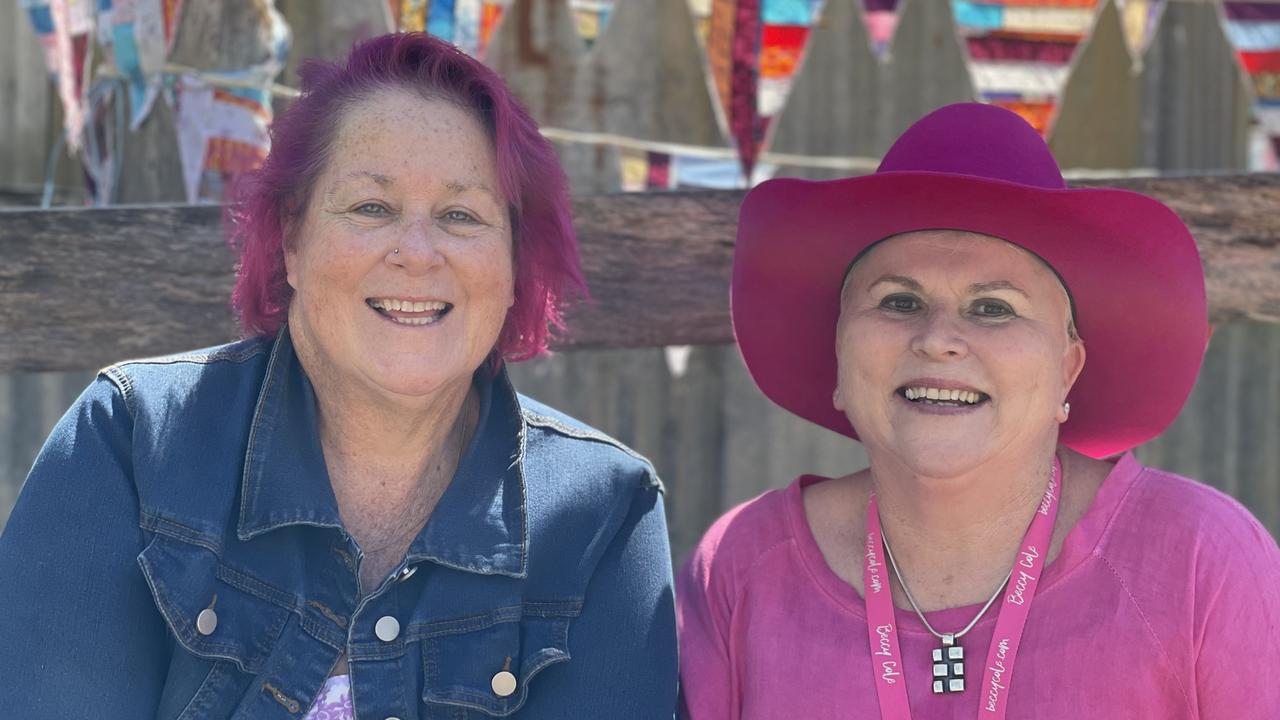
407 573
206 621
387 628
503 684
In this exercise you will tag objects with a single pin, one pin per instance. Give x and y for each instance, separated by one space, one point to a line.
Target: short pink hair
267 201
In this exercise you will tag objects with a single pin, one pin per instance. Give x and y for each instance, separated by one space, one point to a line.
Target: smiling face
954 348
415 176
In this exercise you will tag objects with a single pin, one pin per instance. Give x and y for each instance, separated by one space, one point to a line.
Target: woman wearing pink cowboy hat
989 336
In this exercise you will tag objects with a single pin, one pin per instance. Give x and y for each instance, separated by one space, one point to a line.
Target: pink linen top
1163 603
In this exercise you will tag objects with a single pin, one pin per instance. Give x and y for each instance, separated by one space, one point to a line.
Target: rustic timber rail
83 288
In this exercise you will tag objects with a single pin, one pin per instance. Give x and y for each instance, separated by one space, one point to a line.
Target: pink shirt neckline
1079 544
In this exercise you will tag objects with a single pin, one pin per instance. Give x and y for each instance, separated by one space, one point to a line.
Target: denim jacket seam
237 352
567 610
539 420
465 697
238 579
521 444
321 631
580 433
268 382
175 530
183 632
124 385
519 574
260 589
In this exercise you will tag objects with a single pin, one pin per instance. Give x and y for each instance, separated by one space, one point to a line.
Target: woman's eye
460 216
901 303
992 309
371 209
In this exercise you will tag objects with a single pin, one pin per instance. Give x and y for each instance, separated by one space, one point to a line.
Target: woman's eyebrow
338 184
903 280
457 188
982 287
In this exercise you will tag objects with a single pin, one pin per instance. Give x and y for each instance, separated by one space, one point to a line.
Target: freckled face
418 176
961 317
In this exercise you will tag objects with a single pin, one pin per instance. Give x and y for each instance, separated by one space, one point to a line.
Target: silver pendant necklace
948 660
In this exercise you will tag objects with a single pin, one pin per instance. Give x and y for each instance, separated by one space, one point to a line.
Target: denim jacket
176 552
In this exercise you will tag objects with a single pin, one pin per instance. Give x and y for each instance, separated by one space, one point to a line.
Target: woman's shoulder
183 373
736 544
553 437
1160 503
1168 533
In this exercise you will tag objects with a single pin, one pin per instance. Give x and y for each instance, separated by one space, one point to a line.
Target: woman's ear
1072 366
289 248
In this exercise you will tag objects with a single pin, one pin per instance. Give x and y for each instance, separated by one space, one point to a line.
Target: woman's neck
955 538
389 458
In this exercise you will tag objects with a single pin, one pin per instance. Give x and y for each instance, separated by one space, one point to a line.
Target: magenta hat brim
1130 264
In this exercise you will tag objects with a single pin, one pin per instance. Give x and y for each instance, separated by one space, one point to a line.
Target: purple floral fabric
334 701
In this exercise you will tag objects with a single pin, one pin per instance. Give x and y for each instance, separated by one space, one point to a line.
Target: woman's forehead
948 253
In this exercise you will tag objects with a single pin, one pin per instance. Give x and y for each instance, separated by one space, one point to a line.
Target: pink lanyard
886 656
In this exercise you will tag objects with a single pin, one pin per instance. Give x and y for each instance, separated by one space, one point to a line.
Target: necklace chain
888 551
907 591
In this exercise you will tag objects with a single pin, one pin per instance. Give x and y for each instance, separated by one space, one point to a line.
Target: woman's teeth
436 309
406 306
942 395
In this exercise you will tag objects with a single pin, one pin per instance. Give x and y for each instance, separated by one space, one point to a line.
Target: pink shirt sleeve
1238 618
703 609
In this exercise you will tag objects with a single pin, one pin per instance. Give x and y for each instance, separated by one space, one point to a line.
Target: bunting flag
1254 29
881 17
137 36
224 131
63 28
1020 51
465 23
1139 18
591 17
784 31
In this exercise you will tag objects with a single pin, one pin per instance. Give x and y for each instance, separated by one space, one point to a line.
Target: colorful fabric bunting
1254 29
138 36
223 132
1020 51
63 28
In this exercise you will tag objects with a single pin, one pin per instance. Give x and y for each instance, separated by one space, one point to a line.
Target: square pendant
948 667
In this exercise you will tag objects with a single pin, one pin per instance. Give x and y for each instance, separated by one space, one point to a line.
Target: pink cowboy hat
1129 263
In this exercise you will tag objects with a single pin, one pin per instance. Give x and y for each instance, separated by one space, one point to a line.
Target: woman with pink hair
351 512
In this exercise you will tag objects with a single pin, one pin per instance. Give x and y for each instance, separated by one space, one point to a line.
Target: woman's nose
420 246
940 337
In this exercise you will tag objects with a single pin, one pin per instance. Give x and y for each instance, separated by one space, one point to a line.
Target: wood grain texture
83 288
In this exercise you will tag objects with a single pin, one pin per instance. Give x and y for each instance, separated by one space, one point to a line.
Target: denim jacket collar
479 523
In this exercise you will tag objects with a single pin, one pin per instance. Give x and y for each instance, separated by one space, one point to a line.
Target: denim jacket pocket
214 611
463 660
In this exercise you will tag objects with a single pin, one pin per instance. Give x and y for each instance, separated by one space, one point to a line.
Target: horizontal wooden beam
80 289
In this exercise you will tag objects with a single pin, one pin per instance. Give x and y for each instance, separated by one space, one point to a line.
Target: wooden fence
149 280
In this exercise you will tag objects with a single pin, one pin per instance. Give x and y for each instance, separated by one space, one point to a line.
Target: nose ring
396 251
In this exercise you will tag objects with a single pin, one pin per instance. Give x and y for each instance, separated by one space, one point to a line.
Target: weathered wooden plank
82 288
